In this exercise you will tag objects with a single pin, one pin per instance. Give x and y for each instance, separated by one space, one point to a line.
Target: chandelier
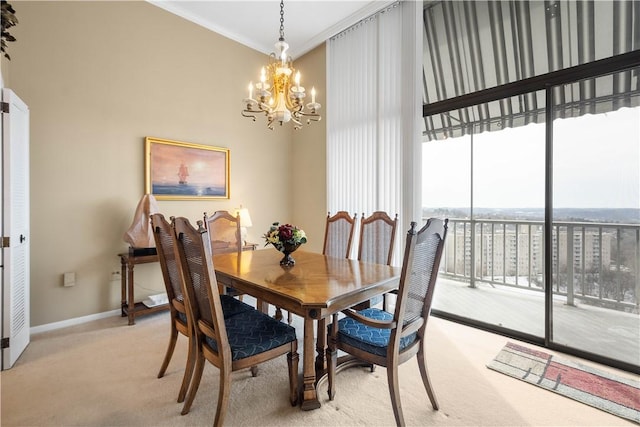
279 94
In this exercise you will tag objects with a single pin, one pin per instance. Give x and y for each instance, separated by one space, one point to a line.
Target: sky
596 165
206 167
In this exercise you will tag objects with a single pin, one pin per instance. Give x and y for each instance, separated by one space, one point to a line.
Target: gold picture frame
176 170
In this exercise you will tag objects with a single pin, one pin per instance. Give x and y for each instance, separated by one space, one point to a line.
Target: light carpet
103 373
600 389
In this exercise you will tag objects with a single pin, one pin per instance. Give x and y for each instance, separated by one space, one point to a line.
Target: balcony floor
602 331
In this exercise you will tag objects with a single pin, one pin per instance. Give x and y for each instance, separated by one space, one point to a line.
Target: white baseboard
73 322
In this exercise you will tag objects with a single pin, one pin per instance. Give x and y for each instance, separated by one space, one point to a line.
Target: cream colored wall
308 166
99 77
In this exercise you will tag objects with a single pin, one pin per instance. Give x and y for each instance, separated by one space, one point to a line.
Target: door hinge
5 242
4 106
4 343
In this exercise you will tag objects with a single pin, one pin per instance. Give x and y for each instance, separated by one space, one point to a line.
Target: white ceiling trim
295 51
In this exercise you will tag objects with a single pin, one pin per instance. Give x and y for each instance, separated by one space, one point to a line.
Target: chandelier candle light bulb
285 102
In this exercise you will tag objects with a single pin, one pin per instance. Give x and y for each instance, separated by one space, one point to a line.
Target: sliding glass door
595 249
489 181
544 238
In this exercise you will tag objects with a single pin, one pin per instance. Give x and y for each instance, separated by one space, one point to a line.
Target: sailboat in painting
183 173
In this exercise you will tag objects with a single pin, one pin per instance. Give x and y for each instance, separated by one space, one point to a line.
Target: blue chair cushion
183 317
253 332
230 307
366 338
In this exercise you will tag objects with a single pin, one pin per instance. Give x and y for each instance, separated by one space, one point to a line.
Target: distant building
517 250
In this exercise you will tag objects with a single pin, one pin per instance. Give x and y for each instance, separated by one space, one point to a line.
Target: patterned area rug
602 390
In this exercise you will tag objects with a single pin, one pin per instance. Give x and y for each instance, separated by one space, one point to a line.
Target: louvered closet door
15 228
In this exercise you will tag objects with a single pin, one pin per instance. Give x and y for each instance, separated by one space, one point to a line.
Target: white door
15 228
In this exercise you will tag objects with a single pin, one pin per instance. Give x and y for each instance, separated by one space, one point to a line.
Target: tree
8 20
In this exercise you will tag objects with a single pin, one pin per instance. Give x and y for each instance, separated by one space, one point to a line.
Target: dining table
315 287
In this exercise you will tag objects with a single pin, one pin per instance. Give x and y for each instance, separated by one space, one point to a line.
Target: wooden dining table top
316 286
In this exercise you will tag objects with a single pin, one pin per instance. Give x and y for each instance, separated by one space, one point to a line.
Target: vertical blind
365 129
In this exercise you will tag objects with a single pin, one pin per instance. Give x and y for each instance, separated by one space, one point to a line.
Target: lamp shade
245 218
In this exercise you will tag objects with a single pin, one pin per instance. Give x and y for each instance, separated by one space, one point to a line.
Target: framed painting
177 170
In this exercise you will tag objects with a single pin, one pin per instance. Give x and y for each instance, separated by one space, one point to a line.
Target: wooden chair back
338 234
224 232
419 273
193 246
377 236
163 235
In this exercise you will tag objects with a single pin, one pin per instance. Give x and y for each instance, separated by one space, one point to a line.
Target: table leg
309 393
131 303
123 285
321 345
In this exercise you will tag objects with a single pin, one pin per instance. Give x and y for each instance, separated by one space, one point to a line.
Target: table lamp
245 222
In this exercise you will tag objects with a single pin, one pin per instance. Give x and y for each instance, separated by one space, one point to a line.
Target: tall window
547 245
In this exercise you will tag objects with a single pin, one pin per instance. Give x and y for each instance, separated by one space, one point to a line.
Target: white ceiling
256 23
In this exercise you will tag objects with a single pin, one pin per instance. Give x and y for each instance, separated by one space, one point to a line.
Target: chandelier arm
249 113
270 124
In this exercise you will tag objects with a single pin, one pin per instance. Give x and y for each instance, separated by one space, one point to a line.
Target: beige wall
99 77
308 167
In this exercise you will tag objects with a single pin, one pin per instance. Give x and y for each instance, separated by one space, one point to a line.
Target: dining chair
374 336
224 232
180 322
173 281
231 343
225 236
377 236
338 234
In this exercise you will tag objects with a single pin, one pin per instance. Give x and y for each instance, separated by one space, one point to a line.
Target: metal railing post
570 265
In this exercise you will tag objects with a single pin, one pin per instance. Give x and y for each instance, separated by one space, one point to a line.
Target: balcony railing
598 263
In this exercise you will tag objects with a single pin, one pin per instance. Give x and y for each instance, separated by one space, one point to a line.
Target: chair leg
332 361
425 379
197 376
223 395
394 391
172 345
188 370
292 362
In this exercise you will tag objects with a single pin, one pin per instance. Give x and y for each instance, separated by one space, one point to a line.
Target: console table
130 308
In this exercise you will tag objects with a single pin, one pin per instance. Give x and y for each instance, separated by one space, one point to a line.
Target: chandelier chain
282 20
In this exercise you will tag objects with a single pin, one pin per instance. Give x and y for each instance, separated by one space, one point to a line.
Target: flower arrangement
285 237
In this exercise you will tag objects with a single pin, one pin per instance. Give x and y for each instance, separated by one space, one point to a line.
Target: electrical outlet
115 276
69 279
